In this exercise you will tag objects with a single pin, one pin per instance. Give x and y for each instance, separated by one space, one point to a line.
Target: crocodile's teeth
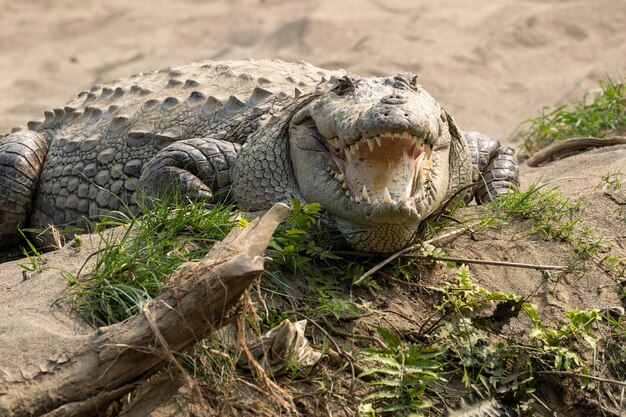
355 149
370 144
344 186
419 160
364 193
348 194
404 196
348 153
387 196
340 177
378 140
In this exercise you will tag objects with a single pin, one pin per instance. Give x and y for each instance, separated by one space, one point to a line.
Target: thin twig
450 234
99 251
385 262
544 405
274 391
581 376
404 316
406 250
338 349
488 262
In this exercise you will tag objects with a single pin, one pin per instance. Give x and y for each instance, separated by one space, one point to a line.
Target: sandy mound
38 331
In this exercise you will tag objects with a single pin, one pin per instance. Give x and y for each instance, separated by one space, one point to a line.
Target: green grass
132 268
35 261
604 115
613 181
552 216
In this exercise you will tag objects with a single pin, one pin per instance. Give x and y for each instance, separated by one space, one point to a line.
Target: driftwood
557 149
117 359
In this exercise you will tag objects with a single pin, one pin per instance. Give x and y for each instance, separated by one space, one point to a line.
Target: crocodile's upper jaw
375 157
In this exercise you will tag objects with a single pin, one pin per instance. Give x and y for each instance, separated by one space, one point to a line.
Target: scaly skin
379 154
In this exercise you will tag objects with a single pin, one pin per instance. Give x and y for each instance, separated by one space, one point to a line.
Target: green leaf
389 338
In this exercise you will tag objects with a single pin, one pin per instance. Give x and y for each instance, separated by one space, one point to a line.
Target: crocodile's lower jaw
386 238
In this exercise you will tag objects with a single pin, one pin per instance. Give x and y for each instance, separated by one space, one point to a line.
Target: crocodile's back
100 141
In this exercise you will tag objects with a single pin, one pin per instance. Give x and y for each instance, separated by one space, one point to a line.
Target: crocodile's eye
344 85
406 81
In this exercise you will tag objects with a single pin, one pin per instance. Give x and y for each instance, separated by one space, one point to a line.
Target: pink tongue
387 166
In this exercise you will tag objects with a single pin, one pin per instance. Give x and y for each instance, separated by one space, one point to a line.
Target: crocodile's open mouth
385 169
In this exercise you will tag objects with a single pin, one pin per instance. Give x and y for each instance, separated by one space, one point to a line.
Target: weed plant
400 374
551 216
466 344
304 269
133 267
603 115
34 259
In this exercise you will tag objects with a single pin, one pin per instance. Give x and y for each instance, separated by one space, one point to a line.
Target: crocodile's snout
387 118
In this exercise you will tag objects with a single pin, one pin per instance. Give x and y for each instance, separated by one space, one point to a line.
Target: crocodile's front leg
22 155
196 168
495 167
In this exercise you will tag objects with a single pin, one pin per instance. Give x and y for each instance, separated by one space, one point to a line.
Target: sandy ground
491 64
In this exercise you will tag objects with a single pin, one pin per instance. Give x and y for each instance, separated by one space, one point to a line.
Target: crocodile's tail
22 154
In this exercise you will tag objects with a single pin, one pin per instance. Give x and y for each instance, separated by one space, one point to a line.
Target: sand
491 64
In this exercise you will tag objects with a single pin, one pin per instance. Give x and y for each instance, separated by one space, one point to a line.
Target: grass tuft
605 114
552 215
132 268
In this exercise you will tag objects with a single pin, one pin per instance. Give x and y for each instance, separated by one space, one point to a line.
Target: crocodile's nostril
394 99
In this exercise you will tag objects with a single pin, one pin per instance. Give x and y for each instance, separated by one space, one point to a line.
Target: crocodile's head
376 153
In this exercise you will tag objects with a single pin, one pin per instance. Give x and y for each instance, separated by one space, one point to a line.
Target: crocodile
379 154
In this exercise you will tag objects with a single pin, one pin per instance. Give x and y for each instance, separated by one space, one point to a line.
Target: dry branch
538 267
116 359
557 149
